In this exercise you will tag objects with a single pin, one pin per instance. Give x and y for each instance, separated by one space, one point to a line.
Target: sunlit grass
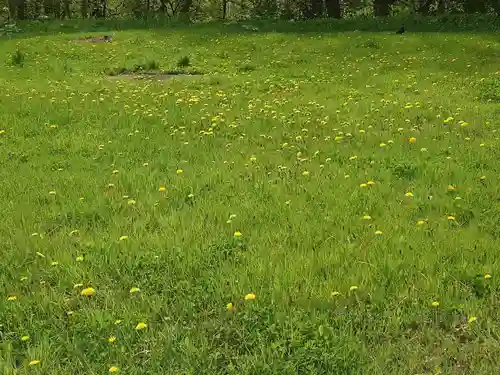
333 210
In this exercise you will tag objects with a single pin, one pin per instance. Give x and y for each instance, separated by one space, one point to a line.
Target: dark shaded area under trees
190 10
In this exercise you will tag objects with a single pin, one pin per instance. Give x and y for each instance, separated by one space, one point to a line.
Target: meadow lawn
315 203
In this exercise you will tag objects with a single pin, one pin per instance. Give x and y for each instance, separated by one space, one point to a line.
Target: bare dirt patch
159 76
96 39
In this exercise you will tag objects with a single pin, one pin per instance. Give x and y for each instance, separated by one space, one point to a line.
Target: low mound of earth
98 39
154 75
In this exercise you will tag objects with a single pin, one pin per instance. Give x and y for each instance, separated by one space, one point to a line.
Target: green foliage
17 58
370 44
147 66
9 30
184 62
490 90
187 11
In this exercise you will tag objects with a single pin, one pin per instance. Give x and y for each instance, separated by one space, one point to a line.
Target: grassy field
316 203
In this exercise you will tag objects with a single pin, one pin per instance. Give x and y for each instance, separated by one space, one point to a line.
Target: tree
20 9
382 8
474 6
333 8
313 9
185 9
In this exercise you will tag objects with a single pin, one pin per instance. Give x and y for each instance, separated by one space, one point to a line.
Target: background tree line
236 9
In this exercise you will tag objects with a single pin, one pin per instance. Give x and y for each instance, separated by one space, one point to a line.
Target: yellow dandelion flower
412 139
378 232
25 338
88 292
435 304
353 288
354 157
34 362
118 321
112 339
134 290
54 263
305 173
123 238
79 258
113 370
131 202
140 326
115 171
2 132
162 188
335 294
472 319
421 222
190 195
179 172
12 298
371 182
409 194
52 192
382 145
487 276
253 158
363 185
229 307
367 217
482 178
451 188
237 234
250 297
451 218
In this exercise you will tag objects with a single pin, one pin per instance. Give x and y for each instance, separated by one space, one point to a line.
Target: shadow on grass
459 23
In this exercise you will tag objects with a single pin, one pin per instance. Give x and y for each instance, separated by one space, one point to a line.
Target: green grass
283 131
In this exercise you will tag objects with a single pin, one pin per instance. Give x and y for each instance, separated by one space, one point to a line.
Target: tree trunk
333 9
21 10
314 9
474 6
441 8
12 10
56 9
186 9
67 10
84 8
224 9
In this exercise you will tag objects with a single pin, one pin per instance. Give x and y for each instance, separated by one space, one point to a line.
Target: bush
183 62
17 58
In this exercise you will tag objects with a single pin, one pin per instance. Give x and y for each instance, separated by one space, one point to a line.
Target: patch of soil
154 75
98 39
